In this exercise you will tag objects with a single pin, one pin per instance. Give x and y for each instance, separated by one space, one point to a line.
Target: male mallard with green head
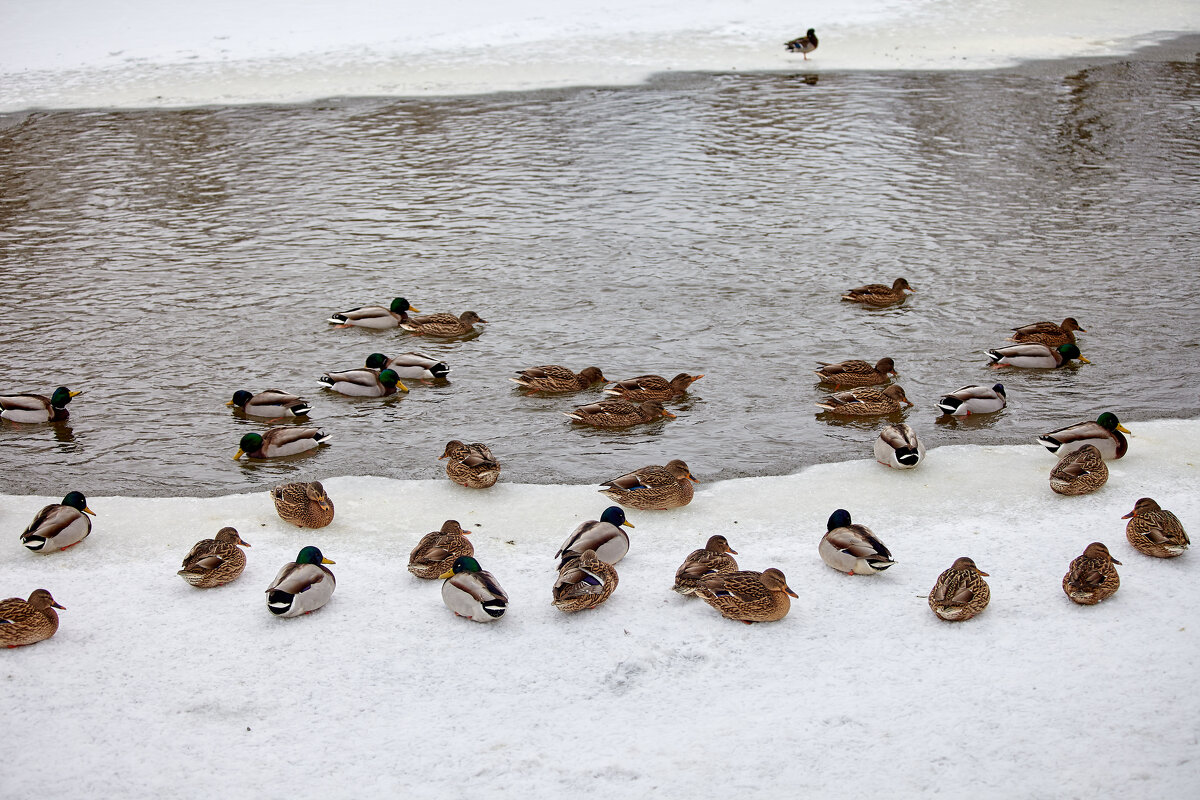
1104 434
376 317
472 592
302 586
59 525
36 407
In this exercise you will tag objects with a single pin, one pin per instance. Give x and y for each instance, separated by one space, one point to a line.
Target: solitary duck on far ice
898 447
302 586
470 465
59 525
803 44
852 548
29 621
377 317
472 592
36 407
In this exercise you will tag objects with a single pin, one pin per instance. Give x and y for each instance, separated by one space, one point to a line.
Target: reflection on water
164 259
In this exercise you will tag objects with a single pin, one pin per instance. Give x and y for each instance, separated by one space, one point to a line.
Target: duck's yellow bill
87 510
1123 429
327 561
74 394
628 524
1084 360
447 574
240 453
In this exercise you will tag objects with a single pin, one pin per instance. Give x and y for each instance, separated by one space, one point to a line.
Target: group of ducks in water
586 576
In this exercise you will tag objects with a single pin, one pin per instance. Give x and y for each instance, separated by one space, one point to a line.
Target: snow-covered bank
70 54
152 687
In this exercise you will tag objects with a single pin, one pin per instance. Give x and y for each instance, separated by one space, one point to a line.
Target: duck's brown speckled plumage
1155 531
747 596
470 465
436 551
714 559
215 562
552 378
25 622
1082 471
653 488
618 413
305 505
960 592
879 294
443 324
584 582
1092 576
856 373
865 401
652 387
1048 333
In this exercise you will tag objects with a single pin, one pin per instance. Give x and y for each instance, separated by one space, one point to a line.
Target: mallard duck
472 592
898 447
1048 333
302 586
652 387
1092 577
852 549
1104 434
856 373
583 582
1081 471
878 294
272 404
443 324
305 505
603 536
618 413
865 401
25 622
1155 531
1033 356
714 559
470 465
960 592
215 562
553 378
436 551
281 441
59 525
747 596
653 488
974 400
363 382
804 44
412 365
36 407
376 317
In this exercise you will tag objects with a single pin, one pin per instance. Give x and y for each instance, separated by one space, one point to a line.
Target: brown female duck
856 373
305 505
618 413
1091 577
652 387
1048 333
470 465
879 294
1155 531
215 562
653 488
714 559
443 324
436 551
551 378
865 401
747 596
25 622
583 582
960 592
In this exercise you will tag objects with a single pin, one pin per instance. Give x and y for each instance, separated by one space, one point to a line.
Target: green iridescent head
376 361
312 555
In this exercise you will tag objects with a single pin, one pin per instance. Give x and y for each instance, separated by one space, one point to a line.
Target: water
162 259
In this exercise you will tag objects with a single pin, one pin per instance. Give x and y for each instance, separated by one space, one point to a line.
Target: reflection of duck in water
804 44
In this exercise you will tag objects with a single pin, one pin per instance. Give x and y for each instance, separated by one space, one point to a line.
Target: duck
280 442
653 488
363 382
604 537
960 592
470 465
436 551
618 413
412 365
865 401
215 562
1154 531
1081 471
29 621
376 317
856 373
974 399
443 324
305 505
1048 333
1092 577
879 294
898 447
552 378
302 586
852 548
472 592
59 525
36 407
804 44
272 404
652 387
583 582
716 557
747 596
1104 434
1034 356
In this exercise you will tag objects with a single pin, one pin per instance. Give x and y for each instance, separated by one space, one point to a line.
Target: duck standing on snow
653 488
603 536
1091 577
436 551
898 447
215 562
552 378
470 465
804 44
1034 356
974 400
856 373
271 404
412 365
652 387
852 548
305 505
1155 531
1080 472
59 525
302 586
1048 333
714 559
960 592
443 324
36 407
583 582
472 592
1104 434
25 622
618 413
376 317
363 382
879 294
747 596
865 401
280 442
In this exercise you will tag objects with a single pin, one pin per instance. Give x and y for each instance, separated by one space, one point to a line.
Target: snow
153 687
